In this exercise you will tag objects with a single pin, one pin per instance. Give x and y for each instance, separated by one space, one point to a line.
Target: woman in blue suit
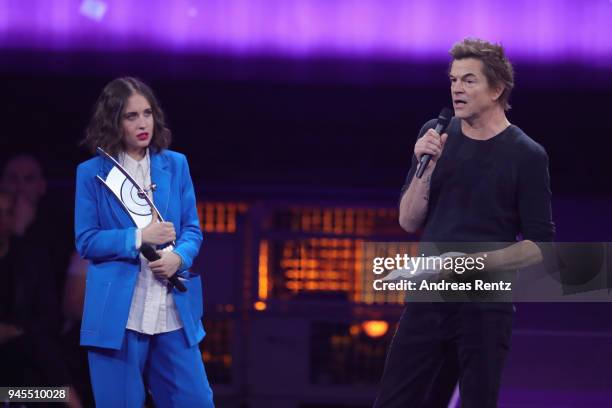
139 333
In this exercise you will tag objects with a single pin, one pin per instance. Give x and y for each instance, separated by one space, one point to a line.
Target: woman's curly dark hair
104 128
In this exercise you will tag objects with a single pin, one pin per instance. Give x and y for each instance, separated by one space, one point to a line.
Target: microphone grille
445 116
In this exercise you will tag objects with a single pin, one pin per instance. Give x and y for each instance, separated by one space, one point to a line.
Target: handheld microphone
443 120
149 252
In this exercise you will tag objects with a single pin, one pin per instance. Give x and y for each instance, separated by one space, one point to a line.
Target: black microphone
443 120
149 252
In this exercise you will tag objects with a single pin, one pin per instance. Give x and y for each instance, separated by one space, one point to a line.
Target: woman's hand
167 266
158 233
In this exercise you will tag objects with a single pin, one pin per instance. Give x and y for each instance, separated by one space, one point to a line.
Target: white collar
126 159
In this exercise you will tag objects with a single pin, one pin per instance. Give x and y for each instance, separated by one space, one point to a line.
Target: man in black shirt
487 181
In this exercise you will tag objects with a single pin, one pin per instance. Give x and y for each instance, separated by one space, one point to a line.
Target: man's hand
431 143
9 332
158 233
166 266
452 274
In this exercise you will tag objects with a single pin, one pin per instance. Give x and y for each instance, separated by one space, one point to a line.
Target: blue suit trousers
165 363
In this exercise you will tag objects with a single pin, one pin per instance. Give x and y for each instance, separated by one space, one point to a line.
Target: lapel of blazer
160 175
118 210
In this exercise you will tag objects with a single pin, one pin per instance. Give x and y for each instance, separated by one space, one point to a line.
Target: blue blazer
105 235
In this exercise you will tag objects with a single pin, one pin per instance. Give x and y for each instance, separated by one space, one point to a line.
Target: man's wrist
429 170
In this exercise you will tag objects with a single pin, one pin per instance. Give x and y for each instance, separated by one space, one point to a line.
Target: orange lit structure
279 273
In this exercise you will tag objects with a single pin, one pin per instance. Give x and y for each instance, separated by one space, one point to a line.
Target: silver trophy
131 196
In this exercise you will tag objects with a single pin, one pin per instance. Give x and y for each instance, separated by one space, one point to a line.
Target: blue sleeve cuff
130 242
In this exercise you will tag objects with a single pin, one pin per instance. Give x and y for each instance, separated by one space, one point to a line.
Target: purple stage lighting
93 9
534 30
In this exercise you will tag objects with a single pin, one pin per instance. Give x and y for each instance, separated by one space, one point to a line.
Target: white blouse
153 309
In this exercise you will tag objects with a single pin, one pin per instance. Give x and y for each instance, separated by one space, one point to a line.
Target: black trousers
438 344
